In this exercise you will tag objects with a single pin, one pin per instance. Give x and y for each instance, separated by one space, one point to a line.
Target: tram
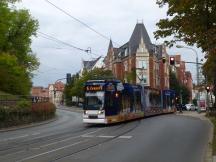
111 101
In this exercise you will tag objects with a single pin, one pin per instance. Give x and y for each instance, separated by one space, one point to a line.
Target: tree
75 88
14 78
194 101
180 89
16 29
96 73
131 76
190 21
193 22
68 88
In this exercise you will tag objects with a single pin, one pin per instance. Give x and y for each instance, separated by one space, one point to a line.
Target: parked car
190 107
183 107
180 106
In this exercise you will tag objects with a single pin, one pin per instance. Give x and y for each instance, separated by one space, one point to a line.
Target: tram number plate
93 116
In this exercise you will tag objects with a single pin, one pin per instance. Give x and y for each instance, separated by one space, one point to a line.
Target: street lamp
197 67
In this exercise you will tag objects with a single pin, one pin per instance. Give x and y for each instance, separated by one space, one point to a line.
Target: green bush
3 114
213 120
23 104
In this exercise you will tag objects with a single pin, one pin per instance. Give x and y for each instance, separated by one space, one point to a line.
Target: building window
126 52
126 66
144 79
142 64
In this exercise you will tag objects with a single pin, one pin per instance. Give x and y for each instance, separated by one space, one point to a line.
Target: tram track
20 148
37 140
49 139
102 142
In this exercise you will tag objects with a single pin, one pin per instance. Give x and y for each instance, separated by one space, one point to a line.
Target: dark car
183 107
180 107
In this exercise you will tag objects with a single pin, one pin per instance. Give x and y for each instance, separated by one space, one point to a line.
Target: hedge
24 112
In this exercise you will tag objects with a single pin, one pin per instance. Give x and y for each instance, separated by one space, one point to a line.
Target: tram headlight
116 95
100 111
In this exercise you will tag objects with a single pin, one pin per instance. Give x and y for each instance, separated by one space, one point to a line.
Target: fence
10 101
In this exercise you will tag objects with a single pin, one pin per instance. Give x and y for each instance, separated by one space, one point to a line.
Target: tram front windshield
94 101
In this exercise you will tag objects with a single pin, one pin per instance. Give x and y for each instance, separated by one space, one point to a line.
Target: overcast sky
114 18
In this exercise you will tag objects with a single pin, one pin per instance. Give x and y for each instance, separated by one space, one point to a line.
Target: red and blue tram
111 101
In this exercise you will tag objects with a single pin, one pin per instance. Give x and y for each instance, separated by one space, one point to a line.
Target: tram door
112 103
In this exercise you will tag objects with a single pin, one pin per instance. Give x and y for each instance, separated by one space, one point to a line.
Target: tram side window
137 100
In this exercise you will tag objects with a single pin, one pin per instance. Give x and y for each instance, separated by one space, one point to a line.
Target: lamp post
197 63
197 67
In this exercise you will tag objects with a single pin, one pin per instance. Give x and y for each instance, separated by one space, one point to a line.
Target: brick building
56 92
39 91
179 68
139 61
188 82
183 76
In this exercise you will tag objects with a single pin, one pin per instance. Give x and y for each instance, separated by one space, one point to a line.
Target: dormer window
125 66
126 52
119 55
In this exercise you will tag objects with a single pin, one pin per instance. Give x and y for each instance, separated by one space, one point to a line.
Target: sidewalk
208 157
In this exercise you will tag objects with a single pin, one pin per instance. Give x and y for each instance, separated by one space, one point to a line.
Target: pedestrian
180 109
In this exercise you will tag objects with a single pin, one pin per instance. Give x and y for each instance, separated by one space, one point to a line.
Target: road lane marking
106 136
67 139
125 137
93 132
35 134
87 136
54 150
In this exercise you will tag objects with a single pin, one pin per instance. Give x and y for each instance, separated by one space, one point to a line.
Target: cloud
115 19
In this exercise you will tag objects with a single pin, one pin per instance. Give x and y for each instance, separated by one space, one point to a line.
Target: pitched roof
90 64
119 52
40 91
59 86
110 45
132 45
138 33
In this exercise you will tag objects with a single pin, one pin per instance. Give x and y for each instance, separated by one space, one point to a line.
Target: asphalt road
165 138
